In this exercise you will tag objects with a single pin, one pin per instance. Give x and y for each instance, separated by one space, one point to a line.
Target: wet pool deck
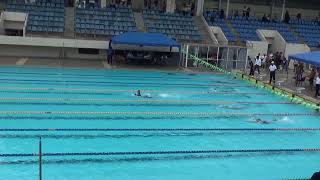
286 80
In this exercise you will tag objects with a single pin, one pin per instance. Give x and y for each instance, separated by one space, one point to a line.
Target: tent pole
187 53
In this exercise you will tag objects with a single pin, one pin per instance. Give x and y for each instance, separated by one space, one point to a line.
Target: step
235 33
139 21
203 30
301 39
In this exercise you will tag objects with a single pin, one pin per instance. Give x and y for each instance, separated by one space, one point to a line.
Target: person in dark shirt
110 54
251 67
222 15
287 17
248 12
315 176
264 18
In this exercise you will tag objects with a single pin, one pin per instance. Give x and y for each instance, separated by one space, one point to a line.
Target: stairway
69 22
301 40
234 32
203 30
139 22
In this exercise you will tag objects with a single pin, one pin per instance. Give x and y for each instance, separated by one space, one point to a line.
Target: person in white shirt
257 64
272 69
317 86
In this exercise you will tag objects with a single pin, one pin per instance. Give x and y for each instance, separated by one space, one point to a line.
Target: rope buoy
156 113
162 152
160 129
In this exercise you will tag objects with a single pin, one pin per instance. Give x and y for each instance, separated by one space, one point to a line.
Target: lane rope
65 90
88 83
156 129
161 152
155 113
138 101
89 76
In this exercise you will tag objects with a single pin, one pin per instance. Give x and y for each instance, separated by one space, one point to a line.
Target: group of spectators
115 3
155 4
92 3
269 61
266 18
185 9
85 4
275 62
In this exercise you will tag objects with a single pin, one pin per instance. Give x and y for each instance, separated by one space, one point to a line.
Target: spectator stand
43 16
104 22
174 25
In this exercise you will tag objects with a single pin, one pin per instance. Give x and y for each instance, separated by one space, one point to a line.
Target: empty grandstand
107 21
174 25
309 30
43 16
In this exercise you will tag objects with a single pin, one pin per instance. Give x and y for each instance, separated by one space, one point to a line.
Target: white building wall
14 25
296 49
219 35
2 23
279 44
256 47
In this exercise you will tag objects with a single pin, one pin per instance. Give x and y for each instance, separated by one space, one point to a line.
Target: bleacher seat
214 20
43 15
173 25
308 30
247 27
104 21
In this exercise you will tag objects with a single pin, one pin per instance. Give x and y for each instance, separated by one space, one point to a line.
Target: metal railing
225 57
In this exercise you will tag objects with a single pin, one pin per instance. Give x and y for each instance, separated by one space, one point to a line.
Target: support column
199 7
171 6
272 8
283 9
103 3
219 5
227 10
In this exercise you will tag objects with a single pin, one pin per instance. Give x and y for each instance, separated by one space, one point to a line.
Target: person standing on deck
257 64
311 77
251 67
272 69
110 53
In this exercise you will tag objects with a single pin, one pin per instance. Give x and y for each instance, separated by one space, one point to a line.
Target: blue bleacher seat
41 14
104 19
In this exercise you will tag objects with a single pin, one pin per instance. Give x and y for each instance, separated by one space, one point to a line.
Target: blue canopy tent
144 39
312 58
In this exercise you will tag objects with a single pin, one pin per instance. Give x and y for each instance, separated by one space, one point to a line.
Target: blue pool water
79 103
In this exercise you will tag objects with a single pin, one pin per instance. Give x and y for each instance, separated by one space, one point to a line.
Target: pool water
92 111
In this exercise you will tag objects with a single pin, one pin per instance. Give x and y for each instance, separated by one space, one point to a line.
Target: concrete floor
286 80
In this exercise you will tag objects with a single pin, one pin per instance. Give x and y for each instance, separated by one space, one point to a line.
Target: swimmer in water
260 121
138 94
234 107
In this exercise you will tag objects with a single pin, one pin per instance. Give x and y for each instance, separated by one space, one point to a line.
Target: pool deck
285 80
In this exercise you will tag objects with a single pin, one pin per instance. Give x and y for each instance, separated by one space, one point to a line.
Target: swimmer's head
138 93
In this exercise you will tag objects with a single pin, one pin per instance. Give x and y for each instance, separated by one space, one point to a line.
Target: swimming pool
195 126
